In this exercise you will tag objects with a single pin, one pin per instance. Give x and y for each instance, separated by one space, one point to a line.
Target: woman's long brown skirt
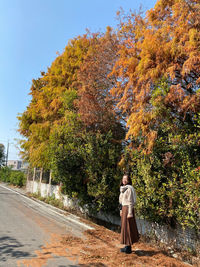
129 231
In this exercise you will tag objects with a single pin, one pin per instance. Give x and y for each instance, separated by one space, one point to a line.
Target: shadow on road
11 248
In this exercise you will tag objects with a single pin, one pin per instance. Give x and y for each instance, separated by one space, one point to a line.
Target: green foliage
101 156
13 177
54 202
68 99
49 200
86 164
17 178
168 180
66 160
5 173
2 154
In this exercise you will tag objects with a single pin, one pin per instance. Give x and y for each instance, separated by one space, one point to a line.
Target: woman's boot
123 249
126 249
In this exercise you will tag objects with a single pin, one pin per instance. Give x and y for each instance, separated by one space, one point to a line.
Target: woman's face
125 180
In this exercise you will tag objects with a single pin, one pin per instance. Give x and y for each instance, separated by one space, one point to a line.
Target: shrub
87 167
17 178
5 173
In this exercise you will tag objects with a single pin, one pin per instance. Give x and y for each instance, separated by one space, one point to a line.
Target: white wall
175 237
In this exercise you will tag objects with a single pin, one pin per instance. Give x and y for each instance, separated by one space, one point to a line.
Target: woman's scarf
123 189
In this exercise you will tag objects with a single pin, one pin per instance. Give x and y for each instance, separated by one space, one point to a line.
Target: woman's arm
130 202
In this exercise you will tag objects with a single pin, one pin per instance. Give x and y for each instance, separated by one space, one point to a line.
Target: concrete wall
178 237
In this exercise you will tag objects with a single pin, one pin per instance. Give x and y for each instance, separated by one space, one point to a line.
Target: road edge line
60 214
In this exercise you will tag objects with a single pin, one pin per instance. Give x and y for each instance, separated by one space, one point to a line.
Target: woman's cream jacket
127 197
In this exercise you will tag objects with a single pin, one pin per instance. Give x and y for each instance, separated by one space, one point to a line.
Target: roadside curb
68 217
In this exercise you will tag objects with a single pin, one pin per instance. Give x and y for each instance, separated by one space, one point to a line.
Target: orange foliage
95 104
163 44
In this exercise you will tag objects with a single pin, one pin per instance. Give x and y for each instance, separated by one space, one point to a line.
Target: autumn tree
49 104
90 155
96 105
158 76
63 127
162 45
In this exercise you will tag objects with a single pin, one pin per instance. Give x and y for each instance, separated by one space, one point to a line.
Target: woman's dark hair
129 179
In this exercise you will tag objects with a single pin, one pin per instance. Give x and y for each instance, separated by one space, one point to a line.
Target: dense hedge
167 195
88 168
13 177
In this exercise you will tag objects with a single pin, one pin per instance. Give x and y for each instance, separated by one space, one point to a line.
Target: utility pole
7 154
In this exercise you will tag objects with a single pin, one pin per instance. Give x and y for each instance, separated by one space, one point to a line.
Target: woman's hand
121 213
130 216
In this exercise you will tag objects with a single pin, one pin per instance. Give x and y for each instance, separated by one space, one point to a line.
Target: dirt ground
101 248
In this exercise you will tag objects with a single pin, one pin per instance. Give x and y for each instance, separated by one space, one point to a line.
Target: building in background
15 164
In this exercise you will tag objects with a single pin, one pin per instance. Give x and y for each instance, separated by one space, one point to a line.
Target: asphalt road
30 232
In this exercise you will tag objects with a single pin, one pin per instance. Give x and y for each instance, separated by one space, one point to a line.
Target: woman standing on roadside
127 200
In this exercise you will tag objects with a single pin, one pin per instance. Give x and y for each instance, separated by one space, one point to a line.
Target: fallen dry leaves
96 248
101 248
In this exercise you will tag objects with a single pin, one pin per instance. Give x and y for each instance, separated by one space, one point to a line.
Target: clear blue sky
31 32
